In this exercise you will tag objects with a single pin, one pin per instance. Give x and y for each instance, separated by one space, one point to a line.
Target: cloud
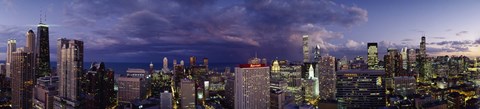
354 45
438 37
461 33
407 40
222 31
465 42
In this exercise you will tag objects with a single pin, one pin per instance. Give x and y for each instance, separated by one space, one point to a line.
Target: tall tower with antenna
42 49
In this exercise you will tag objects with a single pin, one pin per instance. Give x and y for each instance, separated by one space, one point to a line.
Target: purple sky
233 30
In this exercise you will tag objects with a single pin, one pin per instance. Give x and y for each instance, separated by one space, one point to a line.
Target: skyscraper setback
43 47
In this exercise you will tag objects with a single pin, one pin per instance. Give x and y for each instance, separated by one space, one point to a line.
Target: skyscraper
317 53
23 79
98 87
165 63
193 60
187 94
43 49
253 92
30 45
412 60
360 89
306 57
372 56
423 48
11 47
327 77
404 56
393 66
205 62
44 91
70 66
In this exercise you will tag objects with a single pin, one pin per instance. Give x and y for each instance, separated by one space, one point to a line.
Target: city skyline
231 31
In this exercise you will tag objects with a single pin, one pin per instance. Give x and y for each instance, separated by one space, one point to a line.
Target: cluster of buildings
405 78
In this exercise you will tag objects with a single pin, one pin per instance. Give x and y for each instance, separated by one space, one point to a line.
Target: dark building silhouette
98 87
43 50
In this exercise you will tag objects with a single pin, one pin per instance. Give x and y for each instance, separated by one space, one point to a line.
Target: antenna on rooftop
40 16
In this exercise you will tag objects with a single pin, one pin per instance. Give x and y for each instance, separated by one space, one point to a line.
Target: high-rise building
174 62
360 89
327 77
11 47
405 85
187 94
316 54
306 57
412 60
69 68
44 91
43 48
253 92
166 100
182 63
423 48
404 57
3 70
23 79
205 62
372 56
193 60
30 45
98 87
131 88
393 66
165 63
277 98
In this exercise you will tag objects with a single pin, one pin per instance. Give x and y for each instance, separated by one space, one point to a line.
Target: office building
412 60
205 62
23 79
69 68
11 47
306 57
393 66
131 88
372 60
187 94
44 91
277 98
30 45
193 60
98 87
166 100
3 70
405 85
404 58
165 63
43 48
316 54
327 77
423 48
253 92
360 89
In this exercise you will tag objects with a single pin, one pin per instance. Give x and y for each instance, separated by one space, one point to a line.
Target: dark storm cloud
223 30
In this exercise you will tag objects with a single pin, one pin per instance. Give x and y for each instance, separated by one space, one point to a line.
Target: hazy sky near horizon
233 30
